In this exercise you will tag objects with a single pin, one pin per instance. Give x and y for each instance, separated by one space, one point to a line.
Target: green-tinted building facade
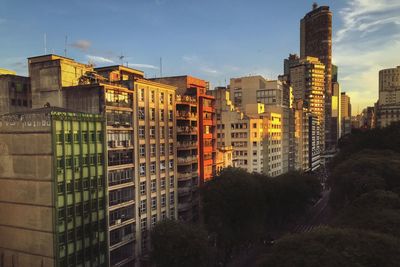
58 158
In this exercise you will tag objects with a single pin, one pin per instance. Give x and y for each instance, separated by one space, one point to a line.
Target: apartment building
53 190
272 143
308 79
187 153
15 92
345 111
206 121
388 106
140 136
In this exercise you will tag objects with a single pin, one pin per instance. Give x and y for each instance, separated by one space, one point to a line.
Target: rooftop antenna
160 67
65 47
314 6
121 57
45 43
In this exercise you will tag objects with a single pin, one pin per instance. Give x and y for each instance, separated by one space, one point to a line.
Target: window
154 203
163 215
172 213
162 183
170 115
162 98
143 206
170 99
152 150
153 185
171 181
153 220
143 224
161 115
153 167
152 114
152 96
152 132
162 132
171 198
142 169
141 132
142 150
141 113
163 200
170 132
143 188
141 96
171 148
162 149
254 143
162 166
171 164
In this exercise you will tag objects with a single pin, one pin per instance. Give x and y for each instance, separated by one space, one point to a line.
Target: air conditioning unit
117 222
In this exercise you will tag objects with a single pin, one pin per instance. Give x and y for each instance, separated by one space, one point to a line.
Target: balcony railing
186 144
186 99
184 175
188 159
186 115
186 129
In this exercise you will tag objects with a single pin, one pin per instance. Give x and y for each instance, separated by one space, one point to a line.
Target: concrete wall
26 197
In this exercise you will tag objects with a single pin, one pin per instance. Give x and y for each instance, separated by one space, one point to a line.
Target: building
316 41
272 143
255 89
345 109
206 121
388 106
336 112
224 158
15 93
9 72
140 136
187 152
307 144
307 79
53 190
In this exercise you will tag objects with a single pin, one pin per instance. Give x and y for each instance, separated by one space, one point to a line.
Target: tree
330 247
377 211
364 172
231 211
175 244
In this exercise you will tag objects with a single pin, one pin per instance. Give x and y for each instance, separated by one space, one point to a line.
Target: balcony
186 130
186 115
184 206
184 191
186 144
187 160
186 99
185 175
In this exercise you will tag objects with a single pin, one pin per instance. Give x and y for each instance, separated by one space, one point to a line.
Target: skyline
365 38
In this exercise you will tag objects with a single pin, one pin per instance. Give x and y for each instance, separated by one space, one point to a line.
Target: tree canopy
332 247
175 244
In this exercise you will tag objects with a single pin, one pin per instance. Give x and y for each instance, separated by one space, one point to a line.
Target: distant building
224 158
53 190
272 143
206 127
345 107
307 80
388 106
15 93
316 41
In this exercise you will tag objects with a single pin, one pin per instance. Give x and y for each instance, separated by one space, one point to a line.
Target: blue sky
211 39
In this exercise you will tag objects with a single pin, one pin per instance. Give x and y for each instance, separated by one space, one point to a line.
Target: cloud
367 41
190 58
98 59
144 66
82 45
209 70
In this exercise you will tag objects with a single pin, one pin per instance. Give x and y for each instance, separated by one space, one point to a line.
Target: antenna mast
65 47
121 57
45 43
160 67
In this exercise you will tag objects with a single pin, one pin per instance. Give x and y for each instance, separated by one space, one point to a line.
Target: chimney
314 6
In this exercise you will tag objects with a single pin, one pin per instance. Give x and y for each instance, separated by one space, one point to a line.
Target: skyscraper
316 41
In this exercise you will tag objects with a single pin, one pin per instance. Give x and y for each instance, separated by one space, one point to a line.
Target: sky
211 39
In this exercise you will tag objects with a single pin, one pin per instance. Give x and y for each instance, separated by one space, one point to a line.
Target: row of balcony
188 159
186 144
186 130
186 99
186 115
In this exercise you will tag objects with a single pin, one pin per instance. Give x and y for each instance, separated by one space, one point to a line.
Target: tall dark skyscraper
316 41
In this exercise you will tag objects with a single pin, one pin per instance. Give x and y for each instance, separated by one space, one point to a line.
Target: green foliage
240 207
376 139
364 172
330 247
175 244
377 211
